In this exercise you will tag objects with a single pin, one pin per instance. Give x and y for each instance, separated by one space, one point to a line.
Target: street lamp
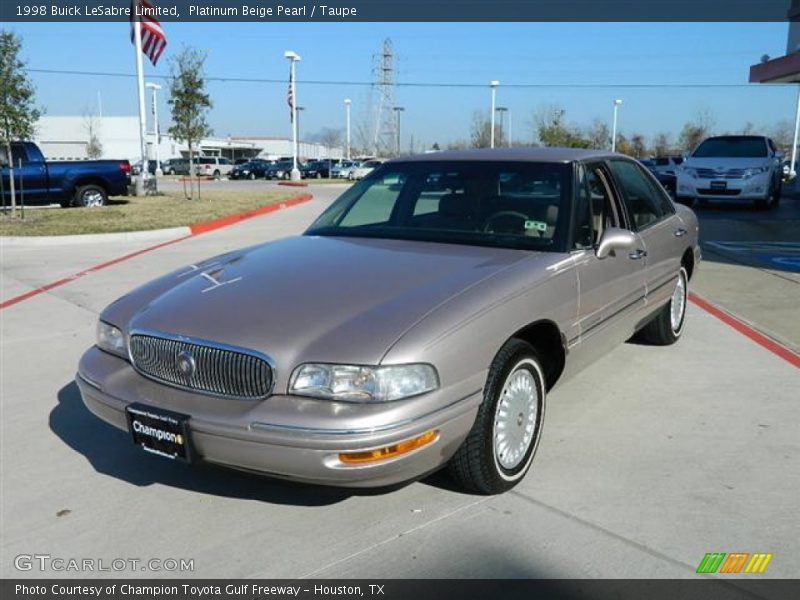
347 103
297 142
293 57
502 110
493 84
397 111
617 102
155 87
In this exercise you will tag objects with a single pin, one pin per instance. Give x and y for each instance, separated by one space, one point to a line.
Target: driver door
612 289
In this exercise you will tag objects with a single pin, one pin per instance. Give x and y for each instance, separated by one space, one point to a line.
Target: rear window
732 147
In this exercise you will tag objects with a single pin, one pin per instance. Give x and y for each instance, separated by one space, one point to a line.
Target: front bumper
749 189
285 436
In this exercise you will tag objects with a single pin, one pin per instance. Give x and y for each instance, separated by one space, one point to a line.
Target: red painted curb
197 229
231 219
759 338
293 183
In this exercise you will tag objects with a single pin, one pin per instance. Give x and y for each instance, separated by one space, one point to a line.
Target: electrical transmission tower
384 136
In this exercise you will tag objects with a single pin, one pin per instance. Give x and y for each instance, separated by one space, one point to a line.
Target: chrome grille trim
221 370
714 174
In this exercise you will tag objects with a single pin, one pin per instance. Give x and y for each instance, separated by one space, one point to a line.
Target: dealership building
67 138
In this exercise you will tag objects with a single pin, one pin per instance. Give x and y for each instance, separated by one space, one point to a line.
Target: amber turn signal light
368 456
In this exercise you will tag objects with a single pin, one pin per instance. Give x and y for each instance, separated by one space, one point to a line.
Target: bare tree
782 133
638 145
662 144
550 129
598 135
481 132
328 137
94 147
696 130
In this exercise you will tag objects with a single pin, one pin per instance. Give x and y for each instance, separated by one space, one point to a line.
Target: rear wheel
500 446
90 196
217 174
667 327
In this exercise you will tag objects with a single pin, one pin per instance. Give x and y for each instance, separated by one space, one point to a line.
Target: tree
598 135
638 145
696 130
18 112
94 147
624 146
481 132
662 145
189 102
328 137
782 133
548 123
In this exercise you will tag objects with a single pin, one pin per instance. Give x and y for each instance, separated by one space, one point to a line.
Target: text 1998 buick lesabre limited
418 323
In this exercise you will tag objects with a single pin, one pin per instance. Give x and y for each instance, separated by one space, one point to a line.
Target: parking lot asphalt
651 457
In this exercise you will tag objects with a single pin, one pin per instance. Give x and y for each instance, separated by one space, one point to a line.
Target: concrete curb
154 234
91 238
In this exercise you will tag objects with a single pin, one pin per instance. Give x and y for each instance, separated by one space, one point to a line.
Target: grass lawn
140 213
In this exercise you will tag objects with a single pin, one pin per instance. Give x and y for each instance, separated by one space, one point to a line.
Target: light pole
155 87
397 111
293 57
502 110
493 84
299 110
617 102
347 103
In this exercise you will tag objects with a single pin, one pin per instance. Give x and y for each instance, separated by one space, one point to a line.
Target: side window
642 199
595 209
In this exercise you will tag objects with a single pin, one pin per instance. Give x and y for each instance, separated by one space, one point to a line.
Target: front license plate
160 431
719 185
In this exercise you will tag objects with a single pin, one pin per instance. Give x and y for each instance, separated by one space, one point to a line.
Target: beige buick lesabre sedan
418 323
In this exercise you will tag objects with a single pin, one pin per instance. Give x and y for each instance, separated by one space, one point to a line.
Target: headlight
352 383
111 339
246 172
688 171
755 171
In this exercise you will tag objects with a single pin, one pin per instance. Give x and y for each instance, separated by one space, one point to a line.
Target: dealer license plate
160 431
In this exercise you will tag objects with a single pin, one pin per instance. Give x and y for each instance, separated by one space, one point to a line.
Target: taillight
125 166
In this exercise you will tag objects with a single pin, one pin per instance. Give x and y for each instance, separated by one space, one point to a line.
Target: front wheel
90 196
500 446
667 327
217 175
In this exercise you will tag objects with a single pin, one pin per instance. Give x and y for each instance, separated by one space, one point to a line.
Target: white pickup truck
738 168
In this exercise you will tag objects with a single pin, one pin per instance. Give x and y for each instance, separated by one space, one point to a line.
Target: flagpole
137 35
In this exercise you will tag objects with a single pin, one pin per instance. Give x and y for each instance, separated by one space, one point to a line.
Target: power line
420 84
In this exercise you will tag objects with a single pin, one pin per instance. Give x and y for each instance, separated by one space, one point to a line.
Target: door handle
680 232
639 254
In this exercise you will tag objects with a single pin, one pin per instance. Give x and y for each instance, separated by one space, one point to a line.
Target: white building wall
66 138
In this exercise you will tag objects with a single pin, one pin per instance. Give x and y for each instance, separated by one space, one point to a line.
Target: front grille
714 174
218 370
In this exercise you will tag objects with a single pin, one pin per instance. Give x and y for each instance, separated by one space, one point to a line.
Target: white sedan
364 169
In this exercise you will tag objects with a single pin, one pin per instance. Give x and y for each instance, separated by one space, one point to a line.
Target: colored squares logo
735 562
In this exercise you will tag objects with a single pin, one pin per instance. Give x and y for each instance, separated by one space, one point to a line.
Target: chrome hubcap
91 199
678 305
515 419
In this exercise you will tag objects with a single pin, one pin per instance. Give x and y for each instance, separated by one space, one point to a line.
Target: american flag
290 96
153 38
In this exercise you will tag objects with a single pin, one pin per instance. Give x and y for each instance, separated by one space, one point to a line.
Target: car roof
530 154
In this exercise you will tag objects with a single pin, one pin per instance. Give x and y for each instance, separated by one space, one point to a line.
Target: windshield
732 147
486 203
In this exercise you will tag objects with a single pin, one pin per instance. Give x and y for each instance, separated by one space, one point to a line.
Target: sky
574 54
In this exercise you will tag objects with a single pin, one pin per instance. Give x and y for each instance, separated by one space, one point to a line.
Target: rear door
612 289
651 214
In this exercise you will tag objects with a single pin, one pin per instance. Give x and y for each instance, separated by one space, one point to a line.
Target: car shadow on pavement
111 452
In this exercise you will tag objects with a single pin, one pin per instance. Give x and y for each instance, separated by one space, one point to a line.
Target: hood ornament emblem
186 364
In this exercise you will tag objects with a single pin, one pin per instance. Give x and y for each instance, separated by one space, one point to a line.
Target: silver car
420 322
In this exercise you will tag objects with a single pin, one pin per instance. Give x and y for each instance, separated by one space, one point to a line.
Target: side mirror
614 239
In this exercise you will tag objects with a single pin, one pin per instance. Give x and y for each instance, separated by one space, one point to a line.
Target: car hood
311 298
726 163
